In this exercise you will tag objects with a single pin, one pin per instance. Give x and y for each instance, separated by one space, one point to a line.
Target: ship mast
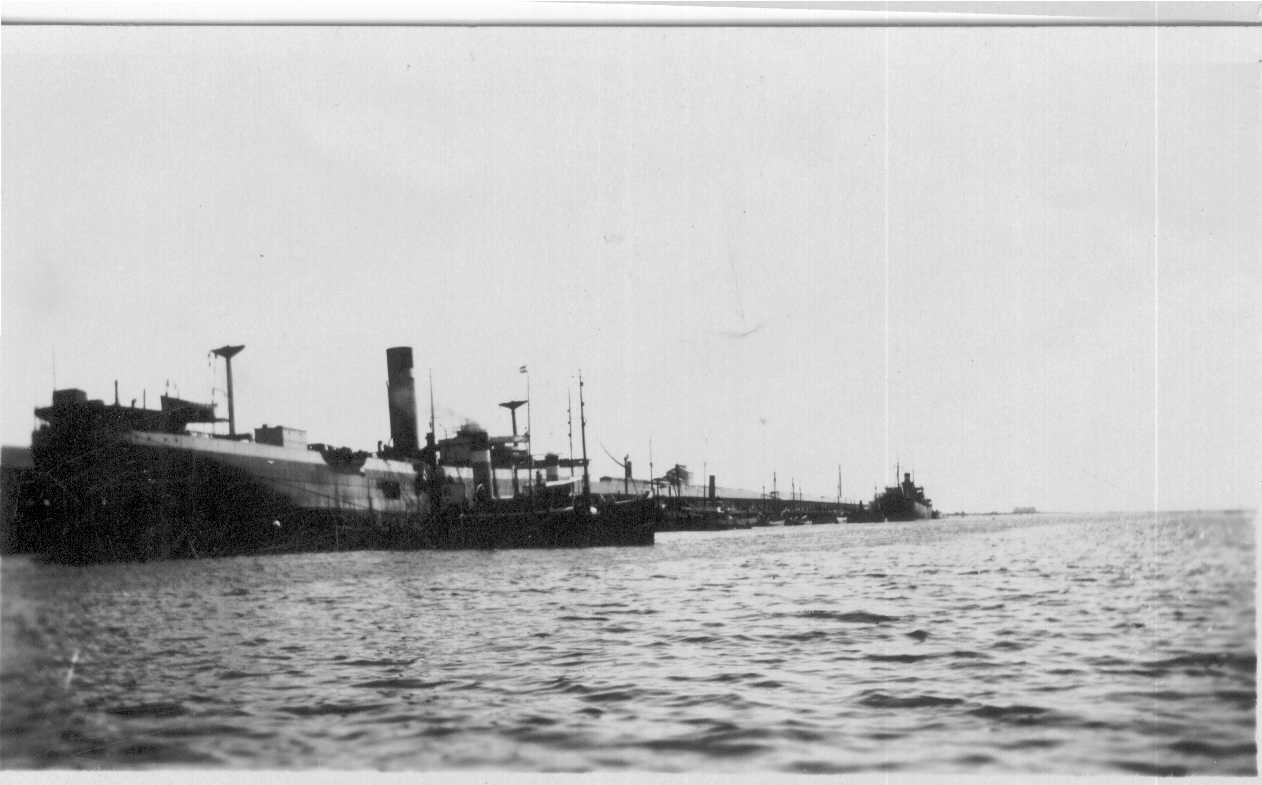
227 353
569 424
652 479
582 423
512 410
435 484
530 445
432 433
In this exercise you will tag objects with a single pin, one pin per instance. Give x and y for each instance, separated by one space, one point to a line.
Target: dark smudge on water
851 617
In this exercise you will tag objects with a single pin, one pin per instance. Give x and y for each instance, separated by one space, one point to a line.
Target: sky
1023 263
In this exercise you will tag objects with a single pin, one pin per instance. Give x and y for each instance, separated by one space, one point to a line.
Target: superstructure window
390 489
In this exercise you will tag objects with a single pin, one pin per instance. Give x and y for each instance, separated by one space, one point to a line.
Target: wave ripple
1040 644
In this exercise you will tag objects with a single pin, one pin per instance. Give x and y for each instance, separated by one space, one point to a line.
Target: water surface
1061 644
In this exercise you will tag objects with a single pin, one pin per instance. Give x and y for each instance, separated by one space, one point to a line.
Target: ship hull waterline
135 498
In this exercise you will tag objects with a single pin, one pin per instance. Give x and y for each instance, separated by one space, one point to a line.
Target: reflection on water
1067 644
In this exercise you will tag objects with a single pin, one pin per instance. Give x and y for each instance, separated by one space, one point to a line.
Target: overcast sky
1023 262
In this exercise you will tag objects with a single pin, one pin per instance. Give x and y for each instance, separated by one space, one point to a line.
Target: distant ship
123 483
903 502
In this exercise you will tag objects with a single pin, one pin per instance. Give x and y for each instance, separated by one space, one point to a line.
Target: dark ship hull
684 517
136 503
892 510
118 484
903 502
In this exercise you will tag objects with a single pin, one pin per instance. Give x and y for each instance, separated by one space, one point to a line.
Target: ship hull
900 510
145 495
677 517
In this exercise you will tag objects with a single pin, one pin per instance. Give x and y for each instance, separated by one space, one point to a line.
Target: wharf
736 500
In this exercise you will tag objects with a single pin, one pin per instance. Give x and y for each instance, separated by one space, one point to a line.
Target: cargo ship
119 483
905 501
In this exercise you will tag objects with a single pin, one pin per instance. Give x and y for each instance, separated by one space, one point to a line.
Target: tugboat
905 501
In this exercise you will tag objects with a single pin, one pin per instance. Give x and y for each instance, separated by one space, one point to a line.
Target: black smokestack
402 399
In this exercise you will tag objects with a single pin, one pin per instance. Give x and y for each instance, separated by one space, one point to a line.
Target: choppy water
1070 644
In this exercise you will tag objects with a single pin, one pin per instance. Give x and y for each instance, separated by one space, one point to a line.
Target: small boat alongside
794 518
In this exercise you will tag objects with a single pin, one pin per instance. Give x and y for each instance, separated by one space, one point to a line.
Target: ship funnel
402 399
483 473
